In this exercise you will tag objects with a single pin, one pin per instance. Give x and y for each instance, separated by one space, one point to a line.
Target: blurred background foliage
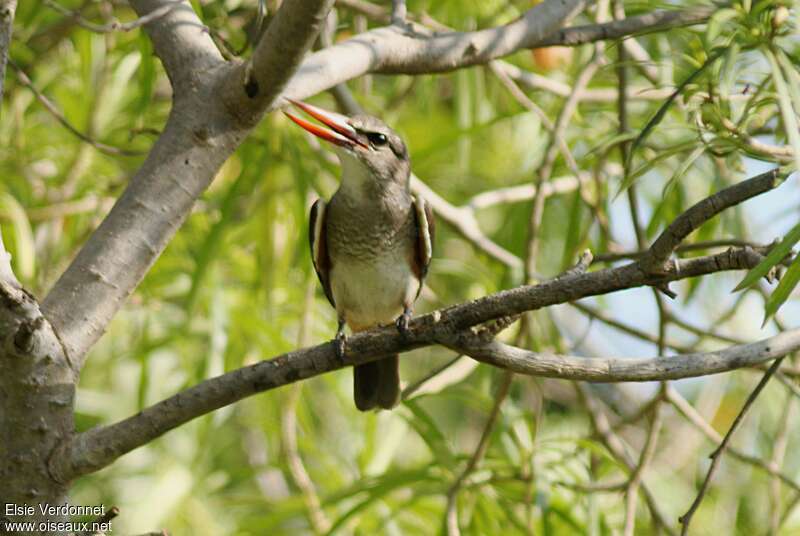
236 285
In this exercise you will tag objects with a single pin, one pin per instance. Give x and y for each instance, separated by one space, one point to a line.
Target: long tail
377 384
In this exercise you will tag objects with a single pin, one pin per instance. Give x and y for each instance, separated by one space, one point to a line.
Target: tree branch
701 212
114 26
649 22
716 456
629 369
180 39
51 107
98 447
280 50
575 35
392 50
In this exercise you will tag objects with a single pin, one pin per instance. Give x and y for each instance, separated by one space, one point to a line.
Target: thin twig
545 170
716 456
56 113
697 420
648 450
779 445
114 26
398 16
614 444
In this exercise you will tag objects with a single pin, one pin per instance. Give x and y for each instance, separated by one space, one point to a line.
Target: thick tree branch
180 39
280 50
37 381
575 35
98 447
625 369
395 50
657 20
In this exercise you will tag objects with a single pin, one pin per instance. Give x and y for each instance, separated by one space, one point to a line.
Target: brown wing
317 239
426 232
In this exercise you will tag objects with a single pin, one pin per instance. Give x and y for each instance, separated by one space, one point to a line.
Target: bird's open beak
340 132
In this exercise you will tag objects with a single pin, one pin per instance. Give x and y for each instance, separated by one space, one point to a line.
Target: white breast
374 292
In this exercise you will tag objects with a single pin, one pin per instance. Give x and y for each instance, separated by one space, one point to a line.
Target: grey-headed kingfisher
372 243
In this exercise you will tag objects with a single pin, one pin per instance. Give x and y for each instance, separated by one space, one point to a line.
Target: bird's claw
402 323
340 344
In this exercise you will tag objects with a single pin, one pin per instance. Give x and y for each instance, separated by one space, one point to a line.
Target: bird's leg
340 342
403 320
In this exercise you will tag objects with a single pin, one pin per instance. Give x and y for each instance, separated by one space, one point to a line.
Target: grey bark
37 383
37 387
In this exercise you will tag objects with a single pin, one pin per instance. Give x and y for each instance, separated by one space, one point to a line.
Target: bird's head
372 154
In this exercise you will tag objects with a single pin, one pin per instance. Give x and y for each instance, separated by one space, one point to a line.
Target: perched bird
371 245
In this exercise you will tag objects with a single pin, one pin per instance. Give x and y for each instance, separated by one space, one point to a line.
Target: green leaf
785 287
662 111
683 168
775 256
574 235
717 21
663 154
429 431
789 115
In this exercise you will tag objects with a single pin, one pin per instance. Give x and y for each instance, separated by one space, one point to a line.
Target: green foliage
236 285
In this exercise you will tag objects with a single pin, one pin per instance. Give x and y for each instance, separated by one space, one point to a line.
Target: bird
372 243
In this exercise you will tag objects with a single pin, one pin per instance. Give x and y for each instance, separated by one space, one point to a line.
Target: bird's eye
376 139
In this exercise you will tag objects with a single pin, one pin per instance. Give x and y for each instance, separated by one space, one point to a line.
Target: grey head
374 157
382 156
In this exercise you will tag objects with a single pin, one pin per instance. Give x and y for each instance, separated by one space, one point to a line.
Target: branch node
581 267
668 292
25 337
251 88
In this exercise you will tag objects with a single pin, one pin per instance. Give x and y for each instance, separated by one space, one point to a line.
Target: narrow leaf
788 113
778 252
662 111
785 287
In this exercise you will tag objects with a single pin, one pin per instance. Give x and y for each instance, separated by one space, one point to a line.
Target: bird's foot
340 342
403 321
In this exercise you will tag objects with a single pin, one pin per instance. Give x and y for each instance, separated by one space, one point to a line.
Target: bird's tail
377 384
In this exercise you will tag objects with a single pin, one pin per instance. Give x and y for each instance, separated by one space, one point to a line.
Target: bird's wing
317 239
426 231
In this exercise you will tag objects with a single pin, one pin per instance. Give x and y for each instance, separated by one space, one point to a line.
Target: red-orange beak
340 132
